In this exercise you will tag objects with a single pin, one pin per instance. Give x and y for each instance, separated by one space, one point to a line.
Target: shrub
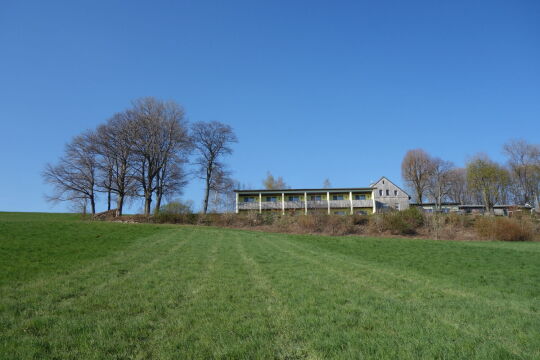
460 220
166 218
177 207
504 229
361 220
309 224
284 223
227 219
406 222
339 225
268 218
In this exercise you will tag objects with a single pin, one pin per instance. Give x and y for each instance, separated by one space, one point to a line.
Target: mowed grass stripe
413 281
74 282
226 316
464 314
40 246
370 286
111 294
333 314
289 345
483 268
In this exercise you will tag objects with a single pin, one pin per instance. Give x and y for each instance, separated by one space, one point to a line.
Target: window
387 192
380 192
361 212
294 198
249 199
396 206
395 192
359 197
316 197
337 197
271 198
339 213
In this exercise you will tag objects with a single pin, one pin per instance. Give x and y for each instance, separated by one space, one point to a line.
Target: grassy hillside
73 289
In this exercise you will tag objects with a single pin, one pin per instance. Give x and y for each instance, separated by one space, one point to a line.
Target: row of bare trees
481 181
142 152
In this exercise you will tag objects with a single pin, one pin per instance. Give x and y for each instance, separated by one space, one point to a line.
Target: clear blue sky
313 89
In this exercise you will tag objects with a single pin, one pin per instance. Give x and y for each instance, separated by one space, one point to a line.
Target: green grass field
90 290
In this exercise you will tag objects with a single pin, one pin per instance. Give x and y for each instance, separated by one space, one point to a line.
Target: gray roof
288 191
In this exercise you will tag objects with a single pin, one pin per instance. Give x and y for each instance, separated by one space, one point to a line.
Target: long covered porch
346 200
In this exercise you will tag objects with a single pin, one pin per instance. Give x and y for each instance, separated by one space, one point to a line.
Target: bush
166 218
460 220
406 222
177 207
339 225
312 223
505 229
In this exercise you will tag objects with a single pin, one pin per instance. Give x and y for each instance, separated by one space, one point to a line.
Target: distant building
447 207
390 196
502 210
341 201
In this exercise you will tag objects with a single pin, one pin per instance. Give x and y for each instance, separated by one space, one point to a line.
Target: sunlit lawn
74 289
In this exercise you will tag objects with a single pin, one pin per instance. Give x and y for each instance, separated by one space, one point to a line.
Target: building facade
342 201
339 201
388 195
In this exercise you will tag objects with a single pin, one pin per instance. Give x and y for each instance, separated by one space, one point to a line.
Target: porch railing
311 204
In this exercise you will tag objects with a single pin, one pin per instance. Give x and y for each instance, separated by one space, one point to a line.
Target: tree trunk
109 191
158 203
93 204
109 199
419 196
159 192
147 203
119 205
487 203
206 195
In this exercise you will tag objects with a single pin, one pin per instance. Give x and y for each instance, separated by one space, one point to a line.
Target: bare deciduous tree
113 146
170 180
74 177
158 133
488 179
524 167
271 183
222 196
416 169
458 191
212 141
439 183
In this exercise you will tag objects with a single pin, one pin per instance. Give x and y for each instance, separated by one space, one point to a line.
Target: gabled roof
391 182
